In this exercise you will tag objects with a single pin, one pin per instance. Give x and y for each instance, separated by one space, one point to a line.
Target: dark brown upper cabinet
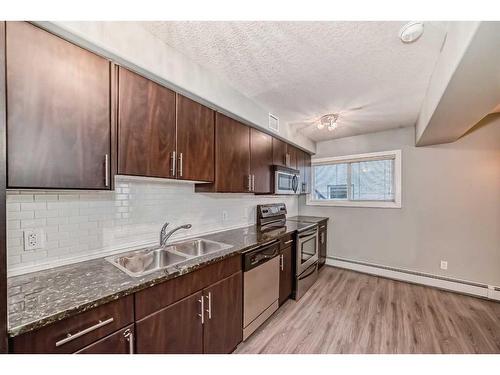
195 141
293 155
232 157
307 173
146 127
279 153
261 161
304 166
59 112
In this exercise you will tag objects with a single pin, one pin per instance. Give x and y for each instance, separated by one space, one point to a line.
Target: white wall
450 206
131 45
472 92
458 38
80 225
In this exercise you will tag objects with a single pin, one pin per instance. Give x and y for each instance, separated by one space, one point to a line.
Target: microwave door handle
294 183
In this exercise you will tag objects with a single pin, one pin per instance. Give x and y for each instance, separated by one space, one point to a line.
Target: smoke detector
410 32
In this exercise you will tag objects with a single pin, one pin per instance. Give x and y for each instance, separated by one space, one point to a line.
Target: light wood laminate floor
350 312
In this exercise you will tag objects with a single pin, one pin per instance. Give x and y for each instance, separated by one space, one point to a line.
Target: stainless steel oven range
307 244
306 258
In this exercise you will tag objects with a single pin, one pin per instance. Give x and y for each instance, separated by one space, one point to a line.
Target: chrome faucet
165 236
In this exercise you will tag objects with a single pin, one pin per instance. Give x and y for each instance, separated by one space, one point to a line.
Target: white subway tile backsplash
16 197
33 206
18 215
93 224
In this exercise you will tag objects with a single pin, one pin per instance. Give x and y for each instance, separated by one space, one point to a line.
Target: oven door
307 249
286 183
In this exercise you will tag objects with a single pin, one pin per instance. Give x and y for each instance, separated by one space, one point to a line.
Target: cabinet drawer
149 300
70 335
286 241
120 342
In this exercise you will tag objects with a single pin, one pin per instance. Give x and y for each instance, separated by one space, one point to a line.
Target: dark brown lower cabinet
176 329
286 274
209 321
322 243
79 331
222 330
200 312
120 342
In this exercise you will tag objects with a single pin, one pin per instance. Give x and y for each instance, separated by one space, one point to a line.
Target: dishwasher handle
260 255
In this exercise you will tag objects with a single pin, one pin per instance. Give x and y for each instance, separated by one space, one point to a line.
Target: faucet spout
165 236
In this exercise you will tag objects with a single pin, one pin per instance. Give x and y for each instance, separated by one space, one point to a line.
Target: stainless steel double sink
145 261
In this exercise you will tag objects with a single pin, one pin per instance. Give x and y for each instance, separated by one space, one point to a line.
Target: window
365 180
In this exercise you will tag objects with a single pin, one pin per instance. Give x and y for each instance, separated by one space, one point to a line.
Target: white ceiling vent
274 123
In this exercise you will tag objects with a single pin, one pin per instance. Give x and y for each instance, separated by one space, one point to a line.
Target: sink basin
198 247
145 261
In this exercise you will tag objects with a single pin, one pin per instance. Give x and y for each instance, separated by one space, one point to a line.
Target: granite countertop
44 297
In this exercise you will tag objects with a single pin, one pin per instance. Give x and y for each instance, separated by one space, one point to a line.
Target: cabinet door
261 160
286 274
293 155
307 172
120 342
146 127
301 163
223 329
322 243
59 123
176 329
279 152
195 141
232 159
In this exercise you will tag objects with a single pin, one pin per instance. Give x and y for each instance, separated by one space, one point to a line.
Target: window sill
367 204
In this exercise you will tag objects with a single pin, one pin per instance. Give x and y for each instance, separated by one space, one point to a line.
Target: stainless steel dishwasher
260 285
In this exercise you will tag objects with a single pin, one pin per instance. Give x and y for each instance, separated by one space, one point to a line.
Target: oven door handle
302 277
308 234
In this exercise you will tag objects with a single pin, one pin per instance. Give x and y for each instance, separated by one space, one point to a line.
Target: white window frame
396 203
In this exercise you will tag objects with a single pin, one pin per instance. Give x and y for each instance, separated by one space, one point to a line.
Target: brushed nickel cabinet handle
249 182
174 163
253 182
282 262
106 170
129 336
74 336
202 309
180 164
289 241
209 310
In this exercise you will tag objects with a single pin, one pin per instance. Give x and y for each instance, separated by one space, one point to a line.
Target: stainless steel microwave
286 180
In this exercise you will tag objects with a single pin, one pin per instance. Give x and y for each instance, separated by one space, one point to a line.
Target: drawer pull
289 241
71 337
323 226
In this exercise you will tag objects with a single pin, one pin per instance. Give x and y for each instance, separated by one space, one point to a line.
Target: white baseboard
459 286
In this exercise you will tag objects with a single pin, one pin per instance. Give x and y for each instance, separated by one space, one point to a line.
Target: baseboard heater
441 282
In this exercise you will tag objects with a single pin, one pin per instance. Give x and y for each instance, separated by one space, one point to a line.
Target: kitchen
151 207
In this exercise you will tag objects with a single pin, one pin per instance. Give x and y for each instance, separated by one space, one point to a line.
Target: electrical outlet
224 216
444 265
33 239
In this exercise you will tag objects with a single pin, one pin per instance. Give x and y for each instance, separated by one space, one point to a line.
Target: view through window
357 179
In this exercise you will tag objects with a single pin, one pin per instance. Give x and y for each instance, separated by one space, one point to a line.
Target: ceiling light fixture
410 32
329 121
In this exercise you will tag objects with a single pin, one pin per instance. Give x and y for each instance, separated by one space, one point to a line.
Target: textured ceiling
302 70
